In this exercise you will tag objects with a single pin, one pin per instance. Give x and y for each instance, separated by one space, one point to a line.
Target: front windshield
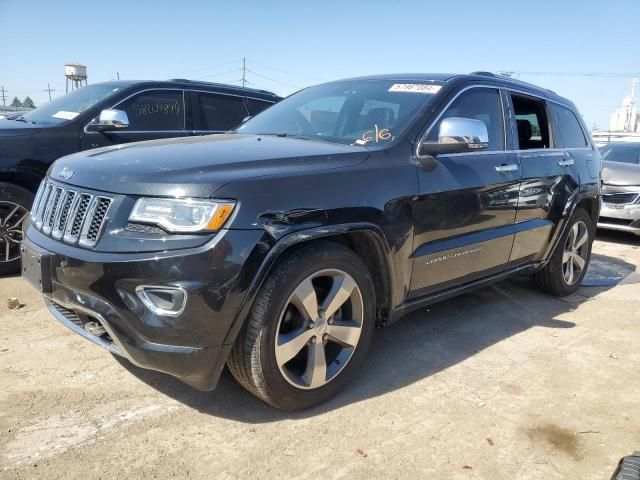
69 106
359 112
621 153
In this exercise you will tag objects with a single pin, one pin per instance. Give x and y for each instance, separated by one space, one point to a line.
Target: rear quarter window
567 130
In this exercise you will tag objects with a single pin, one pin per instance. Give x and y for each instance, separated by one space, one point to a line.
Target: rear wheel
15 203
309 330
568 265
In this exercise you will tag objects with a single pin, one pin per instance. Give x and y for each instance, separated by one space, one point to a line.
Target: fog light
163 300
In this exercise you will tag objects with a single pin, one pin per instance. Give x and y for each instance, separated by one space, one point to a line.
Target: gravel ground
503 382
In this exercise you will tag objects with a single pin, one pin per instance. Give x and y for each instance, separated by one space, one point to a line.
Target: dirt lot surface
504 382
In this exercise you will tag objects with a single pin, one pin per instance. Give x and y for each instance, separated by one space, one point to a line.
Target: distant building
626 117
624 123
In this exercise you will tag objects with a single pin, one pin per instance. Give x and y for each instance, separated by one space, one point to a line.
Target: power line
315 79
273 79
219 73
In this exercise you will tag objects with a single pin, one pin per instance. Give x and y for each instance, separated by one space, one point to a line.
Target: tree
28 103
16 103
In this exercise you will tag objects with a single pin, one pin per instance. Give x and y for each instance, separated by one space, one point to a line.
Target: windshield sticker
65 115
415 88
376 135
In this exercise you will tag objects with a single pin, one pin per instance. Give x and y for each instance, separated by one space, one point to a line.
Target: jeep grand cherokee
277 249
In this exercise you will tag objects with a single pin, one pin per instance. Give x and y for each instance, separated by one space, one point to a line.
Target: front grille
75 217
620 198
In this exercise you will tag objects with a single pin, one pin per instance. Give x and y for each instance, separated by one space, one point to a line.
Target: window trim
507 90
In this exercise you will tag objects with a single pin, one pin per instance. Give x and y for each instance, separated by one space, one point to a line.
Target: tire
262 358
554 278
15 203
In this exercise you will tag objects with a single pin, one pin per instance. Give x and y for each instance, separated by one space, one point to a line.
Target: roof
193 83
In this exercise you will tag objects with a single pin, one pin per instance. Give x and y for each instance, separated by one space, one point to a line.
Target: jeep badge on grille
65 173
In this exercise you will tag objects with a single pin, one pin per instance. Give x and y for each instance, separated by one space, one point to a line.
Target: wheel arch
366 240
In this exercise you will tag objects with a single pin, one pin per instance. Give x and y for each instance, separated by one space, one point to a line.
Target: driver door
152 114
466 209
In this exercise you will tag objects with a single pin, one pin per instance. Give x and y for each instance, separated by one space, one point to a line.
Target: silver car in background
621 187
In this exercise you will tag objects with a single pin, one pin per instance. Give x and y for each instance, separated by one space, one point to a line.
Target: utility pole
49 90
4 99
118 75
244 71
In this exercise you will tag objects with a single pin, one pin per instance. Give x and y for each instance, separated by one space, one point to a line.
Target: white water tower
76 73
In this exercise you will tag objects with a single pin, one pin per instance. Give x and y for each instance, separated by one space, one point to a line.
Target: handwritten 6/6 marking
377 135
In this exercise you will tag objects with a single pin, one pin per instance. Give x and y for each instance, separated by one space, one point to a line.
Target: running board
418 303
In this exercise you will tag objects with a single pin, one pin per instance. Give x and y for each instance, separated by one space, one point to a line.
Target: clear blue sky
291 44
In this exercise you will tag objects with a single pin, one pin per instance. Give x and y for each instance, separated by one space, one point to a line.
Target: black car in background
278 248
105 114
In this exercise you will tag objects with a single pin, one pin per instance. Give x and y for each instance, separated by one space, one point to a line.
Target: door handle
566 162
506 168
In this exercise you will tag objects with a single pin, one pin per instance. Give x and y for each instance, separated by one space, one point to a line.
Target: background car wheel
15 203
309 329
568 265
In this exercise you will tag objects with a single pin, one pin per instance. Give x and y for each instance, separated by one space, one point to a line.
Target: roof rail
485 74
202 82
511 79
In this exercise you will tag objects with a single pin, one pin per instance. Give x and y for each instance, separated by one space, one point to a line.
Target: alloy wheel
576 250
12 216
319 329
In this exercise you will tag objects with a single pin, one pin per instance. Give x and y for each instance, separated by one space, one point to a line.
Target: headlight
182 214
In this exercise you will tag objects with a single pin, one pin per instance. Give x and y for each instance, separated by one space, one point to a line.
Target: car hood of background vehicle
13 128
623 174
198 166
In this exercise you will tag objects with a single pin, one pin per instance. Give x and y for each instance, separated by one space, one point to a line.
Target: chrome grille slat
43 204
70 215
50 211
60 221
36 201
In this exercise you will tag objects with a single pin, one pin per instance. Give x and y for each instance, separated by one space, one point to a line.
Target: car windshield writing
67 107
364 112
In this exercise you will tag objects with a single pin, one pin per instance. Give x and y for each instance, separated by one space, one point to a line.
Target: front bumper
94 294
625 218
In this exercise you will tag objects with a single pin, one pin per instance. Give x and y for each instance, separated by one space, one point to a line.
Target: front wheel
15 203
309 329
568 265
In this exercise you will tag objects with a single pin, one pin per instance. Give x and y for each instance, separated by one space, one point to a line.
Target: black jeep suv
105 114
278 248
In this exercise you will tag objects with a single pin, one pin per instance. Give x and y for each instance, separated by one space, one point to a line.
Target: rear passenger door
466 209
550 176
216 113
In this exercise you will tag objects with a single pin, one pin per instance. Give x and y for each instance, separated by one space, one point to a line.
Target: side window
218 112
155 111
256 106
531 121
566 128
479 104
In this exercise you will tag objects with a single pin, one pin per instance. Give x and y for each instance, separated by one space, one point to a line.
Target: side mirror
110 119
457 135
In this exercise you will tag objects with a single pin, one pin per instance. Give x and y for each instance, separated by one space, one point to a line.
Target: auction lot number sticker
415 88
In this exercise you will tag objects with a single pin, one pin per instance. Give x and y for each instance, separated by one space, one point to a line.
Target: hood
13 128
198 166
622 174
